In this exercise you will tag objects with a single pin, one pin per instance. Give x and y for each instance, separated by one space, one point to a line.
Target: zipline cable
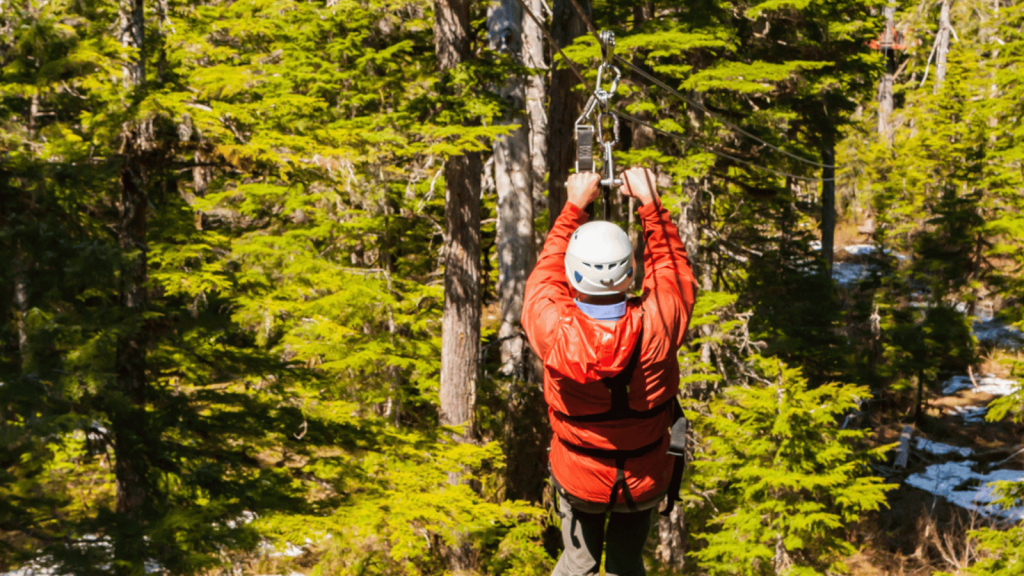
692 142
682 137
718 117
692 102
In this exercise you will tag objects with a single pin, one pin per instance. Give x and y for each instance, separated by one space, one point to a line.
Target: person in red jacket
611 372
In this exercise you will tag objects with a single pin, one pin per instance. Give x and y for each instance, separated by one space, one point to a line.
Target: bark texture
460 338
19 269
828 201
514 175
451 32
131 231
942 46
532 54
565 106
672 537
689 221
127 403
885 93
513 180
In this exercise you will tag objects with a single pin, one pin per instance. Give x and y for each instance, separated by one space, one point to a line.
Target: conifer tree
291 411
129 426
460 340
784 477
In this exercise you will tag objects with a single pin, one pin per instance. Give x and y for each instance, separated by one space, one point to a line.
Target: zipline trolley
596 114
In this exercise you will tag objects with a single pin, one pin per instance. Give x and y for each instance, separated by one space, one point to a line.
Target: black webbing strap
620 457
612 454
584 148
677 448
618 385
620 482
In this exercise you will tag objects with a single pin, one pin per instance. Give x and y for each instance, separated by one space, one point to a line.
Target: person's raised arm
547 288
669 286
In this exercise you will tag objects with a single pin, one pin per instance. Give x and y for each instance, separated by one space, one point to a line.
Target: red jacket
579 352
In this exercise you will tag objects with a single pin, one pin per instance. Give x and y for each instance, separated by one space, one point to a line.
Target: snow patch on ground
289 550
848 273
987 383
31 570
869 250
861 249
957 483
996 333
972 415
43 567
940 449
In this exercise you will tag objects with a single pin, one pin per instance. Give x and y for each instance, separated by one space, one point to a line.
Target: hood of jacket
587 350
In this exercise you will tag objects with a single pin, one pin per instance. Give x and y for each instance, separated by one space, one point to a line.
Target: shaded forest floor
921 532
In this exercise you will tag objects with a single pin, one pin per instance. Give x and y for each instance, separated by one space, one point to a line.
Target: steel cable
572 65
690 101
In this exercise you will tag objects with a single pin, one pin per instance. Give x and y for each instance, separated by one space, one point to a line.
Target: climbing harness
596 114
619 409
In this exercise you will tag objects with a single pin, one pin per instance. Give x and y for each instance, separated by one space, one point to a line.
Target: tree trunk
689 222
885 94
514 172
885 106
828 200
127 404
640 137
532 54
18 269
565 106
672 540
460 338
919 401
451 32
942 46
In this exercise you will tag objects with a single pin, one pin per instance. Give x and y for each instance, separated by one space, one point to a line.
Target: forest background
263 264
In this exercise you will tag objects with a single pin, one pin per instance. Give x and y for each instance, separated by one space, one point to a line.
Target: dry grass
847 235
999 362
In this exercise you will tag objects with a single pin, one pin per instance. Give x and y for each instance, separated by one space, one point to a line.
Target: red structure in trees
891 39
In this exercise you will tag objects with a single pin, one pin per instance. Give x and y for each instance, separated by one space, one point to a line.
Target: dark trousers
584 534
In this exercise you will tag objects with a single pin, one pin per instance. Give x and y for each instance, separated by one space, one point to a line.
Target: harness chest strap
618 385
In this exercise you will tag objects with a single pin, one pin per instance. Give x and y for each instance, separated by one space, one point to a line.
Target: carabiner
615 128
601 93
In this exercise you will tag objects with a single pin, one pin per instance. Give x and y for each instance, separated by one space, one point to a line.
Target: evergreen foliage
295 196
782 476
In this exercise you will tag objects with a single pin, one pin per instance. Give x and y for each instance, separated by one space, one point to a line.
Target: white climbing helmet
599 259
